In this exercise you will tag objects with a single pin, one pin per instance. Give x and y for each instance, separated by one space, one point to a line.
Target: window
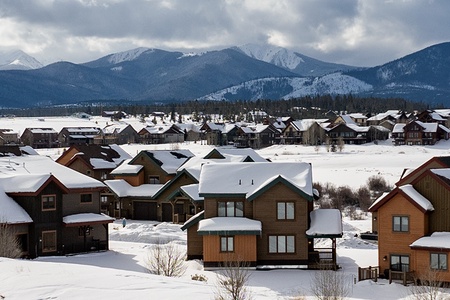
281 244
226 244
153 179
400 223
285 211
86 198
104 199
400 263
48 241
230 209
438 261
48 202
84 229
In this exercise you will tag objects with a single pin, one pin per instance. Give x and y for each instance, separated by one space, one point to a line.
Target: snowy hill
18 60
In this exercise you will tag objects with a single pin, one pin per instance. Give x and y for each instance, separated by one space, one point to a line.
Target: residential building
40 138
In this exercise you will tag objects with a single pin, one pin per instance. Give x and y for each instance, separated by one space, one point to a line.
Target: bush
199 277
9 244
167 260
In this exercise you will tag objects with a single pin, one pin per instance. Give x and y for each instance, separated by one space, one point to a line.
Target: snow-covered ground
121 274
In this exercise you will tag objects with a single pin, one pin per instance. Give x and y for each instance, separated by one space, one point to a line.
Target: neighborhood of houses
232 203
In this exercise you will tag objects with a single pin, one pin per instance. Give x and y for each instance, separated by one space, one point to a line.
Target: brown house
161 134
307 132
69 136
256 136
419 133
258 213
59 211
40 138
413 223
117 134
9 137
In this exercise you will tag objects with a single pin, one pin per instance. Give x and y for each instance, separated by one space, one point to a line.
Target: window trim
400 261
285 218
228 245
44 250
226 209
54 202
277 243
401 218
439 254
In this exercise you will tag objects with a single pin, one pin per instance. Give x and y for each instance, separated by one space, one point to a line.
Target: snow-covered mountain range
18 60
245 72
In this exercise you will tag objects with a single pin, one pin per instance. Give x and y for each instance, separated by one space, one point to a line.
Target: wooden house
59 211
348 133
117 134
136 182
40 138
69 136
161 134
258 213
413 223
307 132
419 133
9 137
219 134
256 136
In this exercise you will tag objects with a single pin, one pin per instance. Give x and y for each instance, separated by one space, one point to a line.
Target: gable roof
325 223
121 189
235 154
193 220
168 160
11 212
247 179
443 161
410 193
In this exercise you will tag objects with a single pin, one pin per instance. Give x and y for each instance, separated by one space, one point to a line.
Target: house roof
126 168
398 128
325 223
437 240
41 165
229 226
443 161
247 179
168 160
191 190
410 193
121 189
86 218
235 154
11 212
193 220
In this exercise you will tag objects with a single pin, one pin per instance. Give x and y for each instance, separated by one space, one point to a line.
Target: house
428 116
9 137
306 131
219 134
191 131
413 223
256 136
119 134
347 132
53 212
419 133
114 115
136 181
161 134
258 213
69 136
93 160
40 138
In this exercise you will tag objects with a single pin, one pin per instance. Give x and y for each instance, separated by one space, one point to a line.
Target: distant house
306 131
53 213
161 134
413 223
219 134
115 114
117 134
9 137
69 136
256 136
259 213
348 133
40 138
419 133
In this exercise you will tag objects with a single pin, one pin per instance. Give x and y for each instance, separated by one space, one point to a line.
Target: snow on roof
123 189
170 160
82 129
378 199
347 119
229 225
126 168
11 212
417 197
444 172
398 128
357 128
428 127
325 222
42 130
444 128
248 178
36 164
357 116
239 152
192 191
23 183
86 218
436 240
98 163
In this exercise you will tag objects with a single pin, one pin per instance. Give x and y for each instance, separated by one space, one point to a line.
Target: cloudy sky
354 32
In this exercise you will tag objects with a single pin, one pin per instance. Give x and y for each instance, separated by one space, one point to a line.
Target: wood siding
244 249
422 266
194 243
71 204
388 240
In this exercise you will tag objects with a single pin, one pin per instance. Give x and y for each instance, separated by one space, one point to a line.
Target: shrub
167 260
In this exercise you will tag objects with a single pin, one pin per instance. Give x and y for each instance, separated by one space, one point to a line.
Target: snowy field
121 274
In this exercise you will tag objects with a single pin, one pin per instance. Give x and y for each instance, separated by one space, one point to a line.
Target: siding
244 249
422 266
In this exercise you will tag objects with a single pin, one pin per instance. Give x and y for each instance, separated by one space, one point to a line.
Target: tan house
413 223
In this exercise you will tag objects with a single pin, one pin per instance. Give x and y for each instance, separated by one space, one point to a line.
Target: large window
400 223
48 202
48 241
281 244
230 209
285 211
438 261
400 263
226 244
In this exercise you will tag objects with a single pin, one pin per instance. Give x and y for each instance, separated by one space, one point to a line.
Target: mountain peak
128 55
18 60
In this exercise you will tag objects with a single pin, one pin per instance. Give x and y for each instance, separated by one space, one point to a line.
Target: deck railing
368 273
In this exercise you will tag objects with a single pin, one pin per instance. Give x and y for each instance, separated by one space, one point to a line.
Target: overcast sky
360 33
